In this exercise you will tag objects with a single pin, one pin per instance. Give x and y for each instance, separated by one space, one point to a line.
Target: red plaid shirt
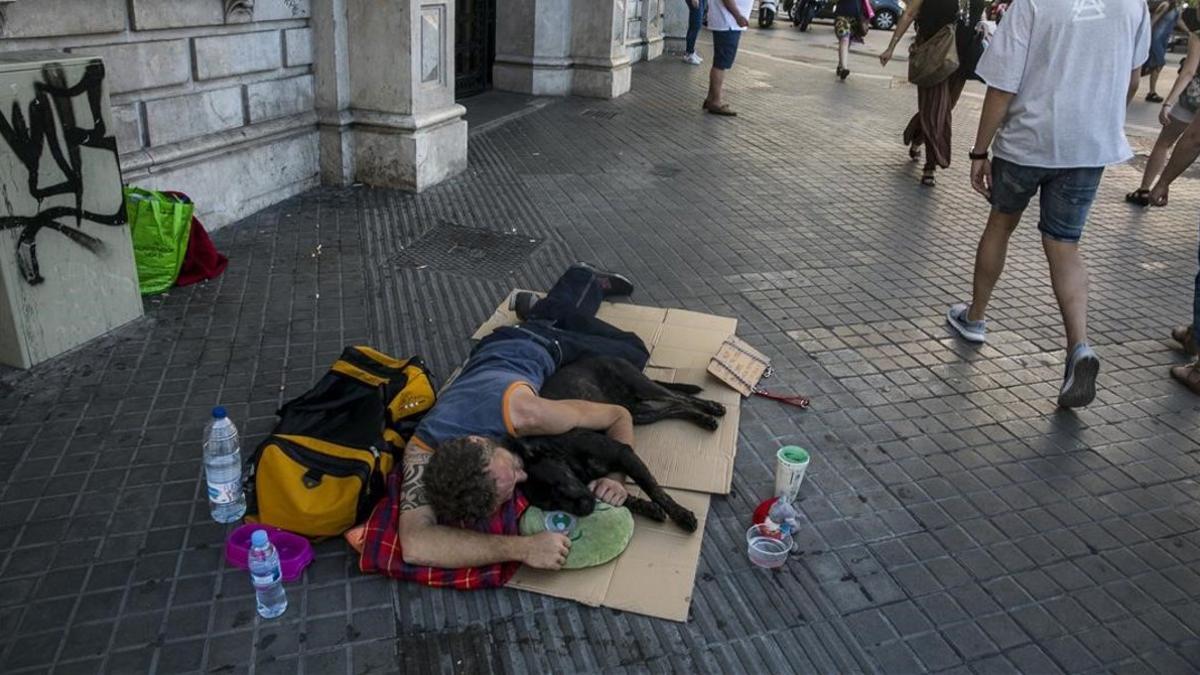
381 548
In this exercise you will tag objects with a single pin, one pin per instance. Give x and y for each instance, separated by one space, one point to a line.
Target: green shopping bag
160 226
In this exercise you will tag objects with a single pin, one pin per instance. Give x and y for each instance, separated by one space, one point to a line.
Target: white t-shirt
1069 64
720 18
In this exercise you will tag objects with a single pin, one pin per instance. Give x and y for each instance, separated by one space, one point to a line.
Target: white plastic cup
790 464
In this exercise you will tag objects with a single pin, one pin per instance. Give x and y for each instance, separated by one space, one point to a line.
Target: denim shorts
1066 198
725 46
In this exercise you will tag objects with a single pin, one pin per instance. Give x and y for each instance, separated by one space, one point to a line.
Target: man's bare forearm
1134 79
424 543
995 109
621 430
731 5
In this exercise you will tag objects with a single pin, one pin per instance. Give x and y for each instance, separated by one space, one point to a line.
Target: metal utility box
66 257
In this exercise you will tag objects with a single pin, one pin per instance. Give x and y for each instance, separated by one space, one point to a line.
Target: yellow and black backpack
322 468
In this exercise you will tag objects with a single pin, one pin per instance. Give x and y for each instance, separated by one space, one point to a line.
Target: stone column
331 66
533 47
654 29
408 131
674 24
562 47
602 67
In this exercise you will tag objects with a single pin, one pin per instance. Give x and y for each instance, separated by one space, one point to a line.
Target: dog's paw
715 409
709 423
685 519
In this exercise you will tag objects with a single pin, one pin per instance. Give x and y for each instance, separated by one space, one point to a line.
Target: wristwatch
977 155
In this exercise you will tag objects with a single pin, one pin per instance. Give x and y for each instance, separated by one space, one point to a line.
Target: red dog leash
798 401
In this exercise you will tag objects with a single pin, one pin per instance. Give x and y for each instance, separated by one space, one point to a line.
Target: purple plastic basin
295 553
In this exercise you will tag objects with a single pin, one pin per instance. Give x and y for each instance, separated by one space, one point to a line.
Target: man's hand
885 57
1159 194
981 176
546 550
609 491
694 4
742 21
1164 114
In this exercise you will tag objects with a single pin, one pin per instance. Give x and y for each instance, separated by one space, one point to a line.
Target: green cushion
595 540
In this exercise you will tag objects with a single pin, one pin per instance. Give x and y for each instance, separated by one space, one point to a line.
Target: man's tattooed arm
413 493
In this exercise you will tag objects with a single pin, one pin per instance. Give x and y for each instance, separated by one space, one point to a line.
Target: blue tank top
475 403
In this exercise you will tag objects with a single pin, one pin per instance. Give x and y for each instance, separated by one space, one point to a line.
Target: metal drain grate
600 114
467 251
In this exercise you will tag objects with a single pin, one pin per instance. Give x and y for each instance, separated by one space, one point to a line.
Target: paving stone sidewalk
954 521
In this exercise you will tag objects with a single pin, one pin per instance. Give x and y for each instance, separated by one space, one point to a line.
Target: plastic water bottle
223 469
266 576
782 517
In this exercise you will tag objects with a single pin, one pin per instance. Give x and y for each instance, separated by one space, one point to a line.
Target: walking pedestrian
1178 111
849 22
696 9
1187 335
1055 126
1187 149
726 19
931 125
1163 15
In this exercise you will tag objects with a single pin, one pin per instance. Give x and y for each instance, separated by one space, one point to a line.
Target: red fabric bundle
202 261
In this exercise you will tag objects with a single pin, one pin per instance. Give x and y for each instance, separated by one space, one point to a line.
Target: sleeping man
496 395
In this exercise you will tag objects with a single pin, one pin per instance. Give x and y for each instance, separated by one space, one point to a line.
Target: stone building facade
213 98
242 103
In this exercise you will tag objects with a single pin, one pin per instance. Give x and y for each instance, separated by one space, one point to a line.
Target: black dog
617 381
560 467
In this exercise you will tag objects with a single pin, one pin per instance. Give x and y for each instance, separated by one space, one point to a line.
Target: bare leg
716 82
843 52
989 259
1161 151
1154 80
1068 274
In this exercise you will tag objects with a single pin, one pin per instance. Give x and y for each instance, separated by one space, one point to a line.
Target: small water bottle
781 517
223 469
266 576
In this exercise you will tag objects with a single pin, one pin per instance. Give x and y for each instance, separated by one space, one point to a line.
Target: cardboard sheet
655 575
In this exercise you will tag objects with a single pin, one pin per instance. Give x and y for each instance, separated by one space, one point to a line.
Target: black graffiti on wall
48 132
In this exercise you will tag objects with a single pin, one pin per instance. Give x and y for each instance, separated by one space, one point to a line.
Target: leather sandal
1189 375
723 110
1139 197
1186 338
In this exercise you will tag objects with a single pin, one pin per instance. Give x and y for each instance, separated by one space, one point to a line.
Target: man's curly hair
457 482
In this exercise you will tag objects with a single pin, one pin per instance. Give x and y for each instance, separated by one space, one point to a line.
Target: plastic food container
295 553
767 548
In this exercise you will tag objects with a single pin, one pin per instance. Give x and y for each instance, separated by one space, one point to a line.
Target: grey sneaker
1079 384
972 331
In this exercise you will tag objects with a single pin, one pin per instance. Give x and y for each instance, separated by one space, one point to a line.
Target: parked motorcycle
803 12
766 13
